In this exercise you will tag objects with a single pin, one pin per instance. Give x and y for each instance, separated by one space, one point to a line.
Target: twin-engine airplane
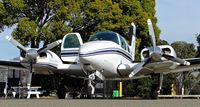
106 55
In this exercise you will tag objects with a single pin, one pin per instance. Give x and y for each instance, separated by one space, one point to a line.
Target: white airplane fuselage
104 56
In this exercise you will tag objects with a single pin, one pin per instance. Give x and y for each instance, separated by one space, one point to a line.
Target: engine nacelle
159 50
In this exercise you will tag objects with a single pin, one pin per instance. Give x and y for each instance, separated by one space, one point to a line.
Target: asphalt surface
99 103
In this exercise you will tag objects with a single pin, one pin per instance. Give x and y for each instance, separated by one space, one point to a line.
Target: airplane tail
133 41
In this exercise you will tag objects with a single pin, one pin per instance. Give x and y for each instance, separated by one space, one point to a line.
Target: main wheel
154 86
61 91
154 91
89 95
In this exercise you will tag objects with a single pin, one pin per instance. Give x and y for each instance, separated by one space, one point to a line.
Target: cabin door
70 47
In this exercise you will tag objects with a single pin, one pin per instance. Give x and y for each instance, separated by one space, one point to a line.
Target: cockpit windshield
109 36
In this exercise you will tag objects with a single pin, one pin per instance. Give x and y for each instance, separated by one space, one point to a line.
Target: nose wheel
91 88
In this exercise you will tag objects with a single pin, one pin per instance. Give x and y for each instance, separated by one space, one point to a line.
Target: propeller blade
30 75
179 60
17 44
50 46
151 32
139 67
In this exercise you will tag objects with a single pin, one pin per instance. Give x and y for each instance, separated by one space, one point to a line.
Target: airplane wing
166 67
45 67
194 65
11 64
71 70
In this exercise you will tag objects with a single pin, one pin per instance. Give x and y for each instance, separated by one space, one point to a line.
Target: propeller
17 44
151 32
169 57
175 59
156 53
32 53
49 46
138 67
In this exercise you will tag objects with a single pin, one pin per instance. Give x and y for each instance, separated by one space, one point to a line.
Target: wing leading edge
194 65
11 64
44 68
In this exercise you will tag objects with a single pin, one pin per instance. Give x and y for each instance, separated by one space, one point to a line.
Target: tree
163 42
198 47
184 50
38 20
4 16
47 21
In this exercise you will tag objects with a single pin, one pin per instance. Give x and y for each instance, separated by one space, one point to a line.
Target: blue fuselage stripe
69 53
107 52
98 52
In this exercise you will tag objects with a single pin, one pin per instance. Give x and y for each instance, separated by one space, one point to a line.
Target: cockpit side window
71 41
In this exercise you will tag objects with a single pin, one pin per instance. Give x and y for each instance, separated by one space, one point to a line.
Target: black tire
154 91
89 95
154 95
61 91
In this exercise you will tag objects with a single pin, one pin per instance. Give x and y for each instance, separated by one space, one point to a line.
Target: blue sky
8 51
179 20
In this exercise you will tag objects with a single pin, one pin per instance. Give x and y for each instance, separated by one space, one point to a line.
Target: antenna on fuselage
133 41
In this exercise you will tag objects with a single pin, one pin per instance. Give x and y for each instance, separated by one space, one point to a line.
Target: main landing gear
91 88
155 89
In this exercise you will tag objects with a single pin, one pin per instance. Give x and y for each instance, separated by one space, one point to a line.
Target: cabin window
123 43
108 36
71 41
128 49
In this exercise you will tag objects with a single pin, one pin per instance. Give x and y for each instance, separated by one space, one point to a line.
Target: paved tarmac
99 103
